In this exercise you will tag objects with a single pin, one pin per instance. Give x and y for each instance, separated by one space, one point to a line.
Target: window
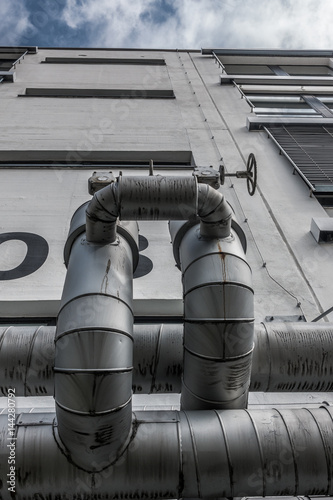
280 105
104 60
248 69
8 59
278 70
100 93
95 159
304 70
293 106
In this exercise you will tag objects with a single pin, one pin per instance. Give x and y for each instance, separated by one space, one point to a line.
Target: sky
169 24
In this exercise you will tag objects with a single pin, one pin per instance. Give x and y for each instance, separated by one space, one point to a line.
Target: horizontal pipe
291 357
156 198
179 455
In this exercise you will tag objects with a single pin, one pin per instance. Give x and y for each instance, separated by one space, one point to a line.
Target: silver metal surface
27 360
206 454
214 212
292 357
157 198
128 229
94 353
218 316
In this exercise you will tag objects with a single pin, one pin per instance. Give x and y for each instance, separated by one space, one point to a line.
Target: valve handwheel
250 174
251 178
222 174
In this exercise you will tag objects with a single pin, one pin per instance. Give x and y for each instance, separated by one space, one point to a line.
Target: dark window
100 93
303 70
104 60
248 69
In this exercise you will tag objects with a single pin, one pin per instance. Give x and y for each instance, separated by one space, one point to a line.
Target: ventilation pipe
218 317
93 361
200 454
94 351
157 198
293 357
216 276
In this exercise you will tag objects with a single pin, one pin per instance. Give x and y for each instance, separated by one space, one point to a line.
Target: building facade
254 125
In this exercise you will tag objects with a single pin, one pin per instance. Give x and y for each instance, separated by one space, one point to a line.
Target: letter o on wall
36 255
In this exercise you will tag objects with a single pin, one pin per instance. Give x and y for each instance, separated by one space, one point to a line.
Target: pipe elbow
101 215
214 212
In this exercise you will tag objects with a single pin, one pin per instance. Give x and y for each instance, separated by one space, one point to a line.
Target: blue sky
287 24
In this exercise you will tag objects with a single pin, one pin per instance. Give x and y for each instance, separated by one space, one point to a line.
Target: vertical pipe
94 353
218 317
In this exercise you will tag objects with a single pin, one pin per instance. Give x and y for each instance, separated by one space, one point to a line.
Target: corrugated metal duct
206 454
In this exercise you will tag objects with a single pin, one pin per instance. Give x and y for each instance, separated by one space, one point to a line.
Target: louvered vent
310 150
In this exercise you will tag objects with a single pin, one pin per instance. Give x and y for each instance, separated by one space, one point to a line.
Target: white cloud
14 22
205 23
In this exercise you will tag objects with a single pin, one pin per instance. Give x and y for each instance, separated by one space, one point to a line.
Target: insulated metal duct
204 454
93 361
213 378
218 317
157 198
94 353
291 357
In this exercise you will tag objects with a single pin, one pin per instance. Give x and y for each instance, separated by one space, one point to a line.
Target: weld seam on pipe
95 294
327 454
93 370
292 451
88 329
195 453
269 357
218 320
180 454
208 254
212 401
96 413
217 283
3 336
156 357
217 360
261 454
29 357
228 453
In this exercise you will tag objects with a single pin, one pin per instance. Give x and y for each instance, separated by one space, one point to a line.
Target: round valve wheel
251 169
222 174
